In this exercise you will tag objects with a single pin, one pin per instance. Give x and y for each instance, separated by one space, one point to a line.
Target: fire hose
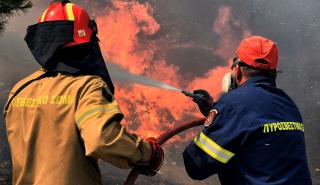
133 175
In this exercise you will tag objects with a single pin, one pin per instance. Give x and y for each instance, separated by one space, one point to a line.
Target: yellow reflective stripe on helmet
44 15
213 149
109 110
70 11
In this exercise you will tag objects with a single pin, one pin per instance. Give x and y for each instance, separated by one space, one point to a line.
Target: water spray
123 75
168 87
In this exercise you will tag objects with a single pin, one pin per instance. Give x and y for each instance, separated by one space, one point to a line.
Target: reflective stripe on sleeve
70 11
213 149
109 110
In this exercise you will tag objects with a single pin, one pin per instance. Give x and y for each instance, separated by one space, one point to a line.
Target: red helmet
66 11
256 47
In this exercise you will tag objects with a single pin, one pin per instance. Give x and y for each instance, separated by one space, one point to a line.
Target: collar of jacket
260 80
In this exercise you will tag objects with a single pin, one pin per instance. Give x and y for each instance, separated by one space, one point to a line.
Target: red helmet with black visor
65 40
64 10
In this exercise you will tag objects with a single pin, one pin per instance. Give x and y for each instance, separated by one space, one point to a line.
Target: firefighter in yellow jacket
63 118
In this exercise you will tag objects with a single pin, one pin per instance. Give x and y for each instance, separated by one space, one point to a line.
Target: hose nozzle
192 95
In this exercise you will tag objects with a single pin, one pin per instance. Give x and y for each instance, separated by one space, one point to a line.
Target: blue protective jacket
257 138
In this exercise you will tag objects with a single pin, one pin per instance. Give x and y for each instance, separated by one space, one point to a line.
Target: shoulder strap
44 75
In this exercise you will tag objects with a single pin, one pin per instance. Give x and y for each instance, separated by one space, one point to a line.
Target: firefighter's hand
203 100
153 166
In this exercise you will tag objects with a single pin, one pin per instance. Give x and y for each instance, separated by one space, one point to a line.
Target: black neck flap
46 42
45 39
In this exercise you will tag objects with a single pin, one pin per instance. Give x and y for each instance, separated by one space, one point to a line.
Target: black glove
203 100
152 167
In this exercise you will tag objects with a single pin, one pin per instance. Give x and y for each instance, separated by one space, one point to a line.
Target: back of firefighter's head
63 10
255 56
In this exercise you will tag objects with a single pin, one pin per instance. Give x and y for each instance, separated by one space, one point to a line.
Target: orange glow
150 111
119 33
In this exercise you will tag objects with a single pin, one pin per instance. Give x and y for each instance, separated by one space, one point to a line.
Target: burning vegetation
131 38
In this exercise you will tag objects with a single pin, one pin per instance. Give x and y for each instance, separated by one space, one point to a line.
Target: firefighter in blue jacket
254 134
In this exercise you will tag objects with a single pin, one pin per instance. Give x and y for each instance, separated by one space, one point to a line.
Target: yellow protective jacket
58 126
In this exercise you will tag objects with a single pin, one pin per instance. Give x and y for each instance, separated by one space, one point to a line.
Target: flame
125 30
120 29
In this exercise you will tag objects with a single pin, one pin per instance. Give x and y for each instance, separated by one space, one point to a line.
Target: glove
152 167
203 100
